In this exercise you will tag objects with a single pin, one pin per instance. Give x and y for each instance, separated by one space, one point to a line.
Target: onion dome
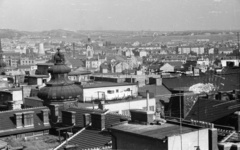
59 88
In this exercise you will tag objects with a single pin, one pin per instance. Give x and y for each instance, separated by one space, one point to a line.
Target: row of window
151 108
127 112
112 91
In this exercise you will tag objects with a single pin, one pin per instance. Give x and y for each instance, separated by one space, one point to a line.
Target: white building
235 62
123 107
41 50
107 91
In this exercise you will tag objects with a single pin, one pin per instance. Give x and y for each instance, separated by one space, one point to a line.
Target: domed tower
59 90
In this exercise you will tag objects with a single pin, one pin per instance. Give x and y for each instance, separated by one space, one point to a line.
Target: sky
154 15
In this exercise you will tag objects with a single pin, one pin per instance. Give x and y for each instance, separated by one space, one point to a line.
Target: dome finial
59 57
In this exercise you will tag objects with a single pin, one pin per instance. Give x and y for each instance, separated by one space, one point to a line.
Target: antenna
238 53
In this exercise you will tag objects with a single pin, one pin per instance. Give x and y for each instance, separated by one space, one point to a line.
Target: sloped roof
212 110
8 125
225 82
90 139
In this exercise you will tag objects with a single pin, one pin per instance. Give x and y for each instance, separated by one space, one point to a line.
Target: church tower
2 63
89 49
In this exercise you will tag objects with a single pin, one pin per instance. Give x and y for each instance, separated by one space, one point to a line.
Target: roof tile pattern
212 110
90 139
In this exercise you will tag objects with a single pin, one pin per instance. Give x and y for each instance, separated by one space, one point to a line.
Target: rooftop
154 131
105 84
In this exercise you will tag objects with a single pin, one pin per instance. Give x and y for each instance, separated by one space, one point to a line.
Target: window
128 89
117 91
125 112
28 119
110 91
151 108
115 112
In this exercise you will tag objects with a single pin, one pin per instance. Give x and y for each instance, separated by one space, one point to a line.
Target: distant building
107 91
41 50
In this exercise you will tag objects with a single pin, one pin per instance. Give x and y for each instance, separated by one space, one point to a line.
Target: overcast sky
160 15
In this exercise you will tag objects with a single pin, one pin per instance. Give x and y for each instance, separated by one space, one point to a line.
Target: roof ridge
23 109
89 109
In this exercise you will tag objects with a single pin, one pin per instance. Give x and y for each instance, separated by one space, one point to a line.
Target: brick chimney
101 105
147 100
141 116
18 120
69 117
158 81
45 116
54 115
86 119
28 119
98 121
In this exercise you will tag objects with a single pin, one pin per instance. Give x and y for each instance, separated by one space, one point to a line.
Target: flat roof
45 64
105 84
38 76
154 131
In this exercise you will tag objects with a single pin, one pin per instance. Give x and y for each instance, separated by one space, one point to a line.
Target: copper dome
59 88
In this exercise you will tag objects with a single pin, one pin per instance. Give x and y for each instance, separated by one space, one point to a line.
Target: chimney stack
98 121
147 100
54 108
69 117
86 119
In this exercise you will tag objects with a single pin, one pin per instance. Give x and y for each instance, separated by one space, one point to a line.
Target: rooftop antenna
238 53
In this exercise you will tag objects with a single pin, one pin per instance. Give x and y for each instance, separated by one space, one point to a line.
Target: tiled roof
8 125
212 110
90 139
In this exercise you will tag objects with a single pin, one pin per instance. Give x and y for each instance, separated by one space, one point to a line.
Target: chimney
69 117
147 100
86 119
141 116
45 116
237 113
28 119
158 81
98 121
10 105
54 109
18 120
102 105
213 138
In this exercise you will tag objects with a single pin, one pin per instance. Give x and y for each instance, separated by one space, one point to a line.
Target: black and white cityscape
119 75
